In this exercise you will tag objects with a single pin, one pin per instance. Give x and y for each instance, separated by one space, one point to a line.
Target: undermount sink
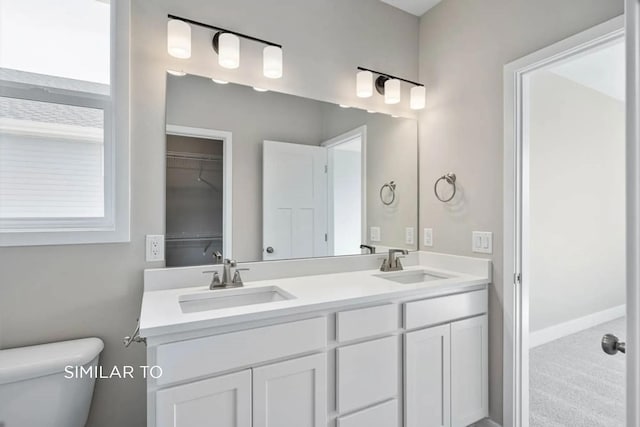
227 298
413 276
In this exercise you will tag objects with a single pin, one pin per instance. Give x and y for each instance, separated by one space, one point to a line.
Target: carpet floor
573 383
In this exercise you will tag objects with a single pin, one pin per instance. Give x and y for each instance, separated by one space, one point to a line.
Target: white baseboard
552 333
486 423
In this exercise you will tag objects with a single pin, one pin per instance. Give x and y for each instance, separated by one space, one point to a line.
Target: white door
294 201
427 377
469 371
291 393
222 402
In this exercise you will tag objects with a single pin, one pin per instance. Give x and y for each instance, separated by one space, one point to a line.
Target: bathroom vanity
341 344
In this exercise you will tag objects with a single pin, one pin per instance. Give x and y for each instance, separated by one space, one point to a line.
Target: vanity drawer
367 373
366 322
383 415
205 356
444 309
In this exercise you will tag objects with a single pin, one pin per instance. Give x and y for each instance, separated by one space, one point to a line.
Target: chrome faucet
371 249
228 264
392 263
228 280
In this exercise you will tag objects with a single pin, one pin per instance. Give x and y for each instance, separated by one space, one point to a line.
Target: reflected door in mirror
294 201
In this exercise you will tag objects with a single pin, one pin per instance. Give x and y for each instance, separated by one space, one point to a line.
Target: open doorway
198 196
346 191
565 232
574 128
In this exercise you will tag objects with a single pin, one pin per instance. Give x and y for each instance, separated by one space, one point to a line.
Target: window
63 165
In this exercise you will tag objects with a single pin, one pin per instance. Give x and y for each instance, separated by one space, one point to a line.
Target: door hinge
326 168
517 279
326 237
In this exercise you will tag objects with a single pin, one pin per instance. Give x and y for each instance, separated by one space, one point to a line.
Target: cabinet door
291 393
222 402
427 377
469 371
367 373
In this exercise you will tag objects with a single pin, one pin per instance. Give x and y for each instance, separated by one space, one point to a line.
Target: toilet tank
34 390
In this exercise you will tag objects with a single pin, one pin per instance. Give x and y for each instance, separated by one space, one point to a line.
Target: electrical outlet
155 247
482 242
428 237
408 235
374 234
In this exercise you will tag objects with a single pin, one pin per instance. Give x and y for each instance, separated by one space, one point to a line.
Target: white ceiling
602 70
415 7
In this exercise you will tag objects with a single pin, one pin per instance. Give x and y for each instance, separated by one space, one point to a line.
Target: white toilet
34 390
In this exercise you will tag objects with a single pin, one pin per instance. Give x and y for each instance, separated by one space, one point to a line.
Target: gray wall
577 201
463 47
253 117
64 292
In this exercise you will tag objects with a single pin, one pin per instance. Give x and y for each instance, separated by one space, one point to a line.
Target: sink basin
414 276
227 298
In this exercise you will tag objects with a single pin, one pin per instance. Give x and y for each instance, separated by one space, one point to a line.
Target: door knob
612 345
269 250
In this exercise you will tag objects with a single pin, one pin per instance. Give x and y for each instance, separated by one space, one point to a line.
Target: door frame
227 176
360 131
516 285
632 34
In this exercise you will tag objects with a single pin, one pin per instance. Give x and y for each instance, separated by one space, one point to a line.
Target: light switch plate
409 235
482 242
374 234
155 247
428 237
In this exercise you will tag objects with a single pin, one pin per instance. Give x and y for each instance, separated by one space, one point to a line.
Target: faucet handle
231 262
215 280
237 279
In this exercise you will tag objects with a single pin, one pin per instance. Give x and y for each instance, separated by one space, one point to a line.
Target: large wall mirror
266 176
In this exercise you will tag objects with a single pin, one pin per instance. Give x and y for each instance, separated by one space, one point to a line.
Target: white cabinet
469 371
427 379
446 374
282 375
222 402
367 373
291 393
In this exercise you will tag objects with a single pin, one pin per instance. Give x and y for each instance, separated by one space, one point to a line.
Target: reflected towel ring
451 179
392 190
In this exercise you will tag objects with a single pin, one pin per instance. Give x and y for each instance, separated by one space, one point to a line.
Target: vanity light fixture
418 95
392 91
177 73
227 46
220 82
178 39
225 42
364 84
389 86
272 62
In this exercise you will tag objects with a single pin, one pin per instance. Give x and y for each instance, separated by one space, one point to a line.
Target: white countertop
161 312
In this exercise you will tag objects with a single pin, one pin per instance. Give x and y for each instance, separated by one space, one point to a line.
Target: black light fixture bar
223 30
389 76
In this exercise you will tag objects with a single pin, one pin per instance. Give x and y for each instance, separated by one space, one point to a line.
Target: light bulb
364 84
272 62
220 82
418 98
260 89
228 50
179 39
392 91
178 73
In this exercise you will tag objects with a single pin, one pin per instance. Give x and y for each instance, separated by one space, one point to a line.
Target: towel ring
449 178
392 190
